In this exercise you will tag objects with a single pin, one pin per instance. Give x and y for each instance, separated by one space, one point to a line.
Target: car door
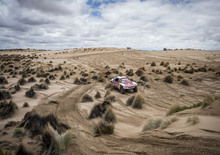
116 82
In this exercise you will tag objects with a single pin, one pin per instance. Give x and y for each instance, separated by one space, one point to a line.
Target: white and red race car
123 83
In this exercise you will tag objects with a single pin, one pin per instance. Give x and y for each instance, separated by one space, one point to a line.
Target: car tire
122 90
135 89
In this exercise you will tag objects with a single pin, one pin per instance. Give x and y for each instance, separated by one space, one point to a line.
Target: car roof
121 77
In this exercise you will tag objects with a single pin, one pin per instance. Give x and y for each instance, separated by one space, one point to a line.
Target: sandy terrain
179 137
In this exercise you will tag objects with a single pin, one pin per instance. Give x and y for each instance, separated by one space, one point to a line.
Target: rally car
123 83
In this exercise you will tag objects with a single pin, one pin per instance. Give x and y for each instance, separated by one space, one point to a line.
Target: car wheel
135 89
122 90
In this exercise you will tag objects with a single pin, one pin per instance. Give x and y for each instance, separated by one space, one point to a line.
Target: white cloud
151 24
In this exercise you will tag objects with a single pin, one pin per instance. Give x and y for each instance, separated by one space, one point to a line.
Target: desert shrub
138 102
30 93
4 95
193 120
139 72
17 87
99 109
130 72
40 86
51 77
98 95
80 81
108 92
54 142
47 81
87 98
21 150
25 105
161 63
130 100
77 81
36 124
62 77
2 152
18 132
153 64
110 98
7 109
166 123
185 82
31 79
152 124
94 77
166 64
109 116
3 80
168 79
103 128
144 78
22 81
179 63
109 86
175 108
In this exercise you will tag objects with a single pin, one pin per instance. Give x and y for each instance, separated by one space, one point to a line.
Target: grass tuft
138 102
152 124
193 120
103 128
109 116
87 98
98 95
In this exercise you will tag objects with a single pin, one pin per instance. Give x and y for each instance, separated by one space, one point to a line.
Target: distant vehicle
123 83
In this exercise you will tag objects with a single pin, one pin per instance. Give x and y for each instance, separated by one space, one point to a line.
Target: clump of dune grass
109 86
193 120
130 100
108 92
55 143
7 109
109 116
22 81
144 78
30 93
166 123
153 64
4 152
25 105
87 98
184 82
138 102
103 128
140 72
152 124
177 108
110 98
168 79
21 150
98 95
3 80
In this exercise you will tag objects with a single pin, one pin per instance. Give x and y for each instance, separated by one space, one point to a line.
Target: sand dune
195 130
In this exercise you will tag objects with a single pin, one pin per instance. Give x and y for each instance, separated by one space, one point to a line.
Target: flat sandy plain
200 68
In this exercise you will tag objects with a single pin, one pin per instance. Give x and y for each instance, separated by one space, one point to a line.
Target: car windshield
125 81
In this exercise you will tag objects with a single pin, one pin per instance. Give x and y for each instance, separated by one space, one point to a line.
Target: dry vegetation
69 91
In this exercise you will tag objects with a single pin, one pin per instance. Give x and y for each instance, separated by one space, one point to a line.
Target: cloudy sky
140 24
